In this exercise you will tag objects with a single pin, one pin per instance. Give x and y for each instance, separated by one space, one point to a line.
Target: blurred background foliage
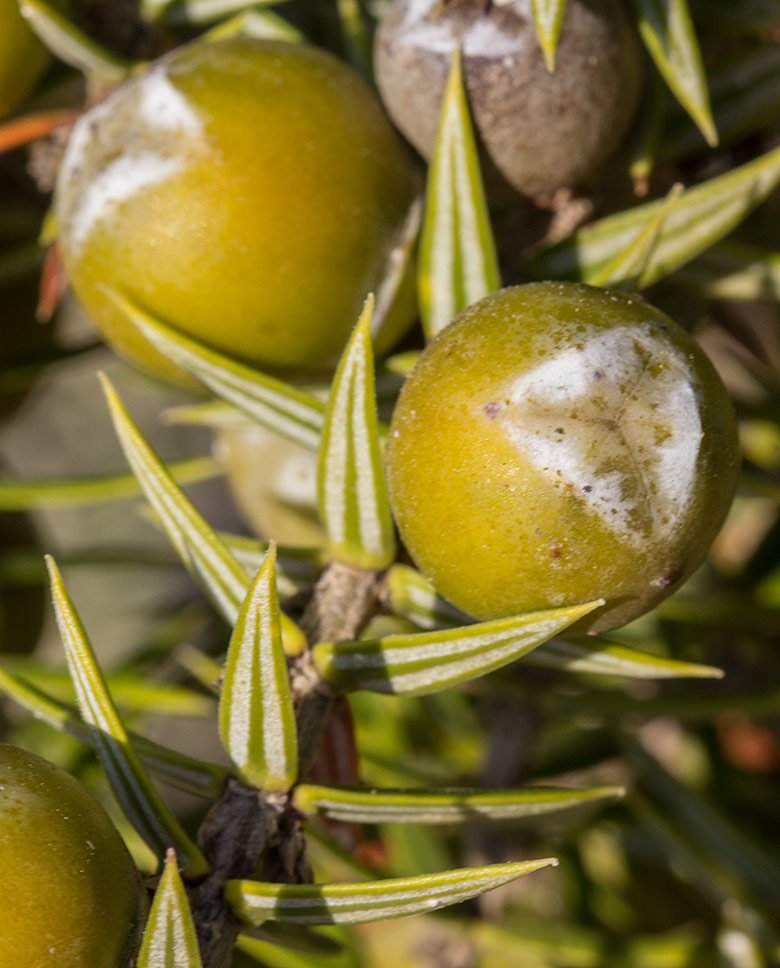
684 872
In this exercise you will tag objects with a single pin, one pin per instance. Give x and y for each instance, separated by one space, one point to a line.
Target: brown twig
236 832
344 599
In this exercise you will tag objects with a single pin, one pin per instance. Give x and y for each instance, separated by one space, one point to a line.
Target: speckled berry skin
541 130
557 444
23 58
72 897
247 192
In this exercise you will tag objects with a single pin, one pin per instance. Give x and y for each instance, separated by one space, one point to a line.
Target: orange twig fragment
31 127
52 287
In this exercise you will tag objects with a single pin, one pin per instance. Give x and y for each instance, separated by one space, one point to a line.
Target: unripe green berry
72 897
249 193
557 444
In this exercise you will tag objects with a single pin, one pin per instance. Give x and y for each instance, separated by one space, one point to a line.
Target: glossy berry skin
540 130
557 444
23 58
71 893
247 192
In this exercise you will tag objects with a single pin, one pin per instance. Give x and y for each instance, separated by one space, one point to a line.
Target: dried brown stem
344 599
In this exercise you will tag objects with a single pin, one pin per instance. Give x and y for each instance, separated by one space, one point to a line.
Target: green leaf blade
256 717
296 568
212 413
548 17
295 946
129 781
629 269
412 596
734 270
260 24
274 404
354 30
197 12
351 490
425 662
700 217
179 770
23 495
255 902
745 98
71 45
669 35
645 143
170 940
200 548
458 263
440 807
610 659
